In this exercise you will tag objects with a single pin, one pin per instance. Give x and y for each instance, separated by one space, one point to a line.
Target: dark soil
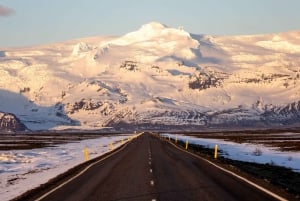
39 140
283 141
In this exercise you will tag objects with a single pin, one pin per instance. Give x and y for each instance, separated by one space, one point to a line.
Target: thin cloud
4 11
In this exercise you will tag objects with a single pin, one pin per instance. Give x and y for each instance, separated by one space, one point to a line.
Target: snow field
246 151
22 170
150 64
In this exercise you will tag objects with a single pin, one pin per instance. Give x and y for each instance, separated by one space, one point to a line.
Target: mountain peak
153 31
153 26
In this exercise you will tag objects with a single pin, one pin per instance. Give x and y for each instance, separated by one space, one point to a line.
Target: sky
33 22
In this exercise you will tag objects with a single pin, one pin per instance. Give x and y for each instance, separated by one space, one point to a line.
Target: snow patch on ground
246 151
22 170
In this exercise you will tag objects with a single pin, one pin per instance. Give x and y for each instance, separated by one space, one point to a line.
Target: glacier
156 77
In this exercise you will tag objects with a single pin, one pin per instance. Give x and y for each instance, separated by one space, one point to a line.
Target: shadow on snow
35 117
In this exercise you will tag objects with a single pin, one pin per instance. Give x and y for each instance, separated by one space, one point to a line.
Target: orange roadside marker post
186 144
86 154
216 152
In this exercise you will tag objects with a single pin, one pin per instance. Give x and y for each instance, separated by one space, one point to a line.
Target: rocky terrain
156 77
10 123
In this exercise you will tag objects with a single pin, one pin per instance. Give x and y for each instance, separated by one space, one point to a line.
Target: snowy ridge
155 77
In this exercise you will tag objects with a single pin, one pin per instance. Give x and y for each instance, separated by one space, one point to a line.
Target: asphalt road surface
153 170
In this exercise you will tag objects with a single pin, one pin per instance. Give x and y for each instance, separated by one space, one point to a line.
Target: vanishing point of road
150 169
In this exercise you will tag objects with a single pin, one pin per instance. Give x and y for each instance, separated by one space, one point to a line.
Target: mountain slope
9 123
155 77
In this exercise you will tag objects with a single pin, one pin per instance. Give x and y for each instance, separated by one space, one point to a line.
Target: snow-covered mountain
155 77
10 123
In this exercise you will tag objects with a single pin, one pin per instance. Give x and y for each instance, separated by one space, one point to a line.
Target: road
151 169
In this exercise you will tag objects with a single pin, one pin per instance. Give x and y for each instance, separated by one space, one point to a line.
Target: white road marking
152 183
234 174
151 170
149 162
80 173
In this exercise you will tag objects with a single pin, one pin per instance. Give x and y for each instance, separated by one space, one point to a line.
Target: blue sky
31 22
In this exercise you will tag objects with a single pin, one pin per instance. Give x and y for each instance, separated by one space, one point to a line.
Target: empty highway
149 169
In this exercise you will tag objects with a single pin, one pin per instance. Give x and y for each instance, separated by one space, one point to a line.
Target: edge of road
274 195
71 174
68 176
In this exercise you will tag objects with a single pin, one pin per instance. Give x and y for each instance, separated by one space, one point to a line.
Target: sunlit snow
145 76
22 170
246 151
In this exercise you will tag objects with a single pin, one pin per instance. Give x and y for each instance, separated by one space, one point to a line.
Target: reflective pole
216 152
